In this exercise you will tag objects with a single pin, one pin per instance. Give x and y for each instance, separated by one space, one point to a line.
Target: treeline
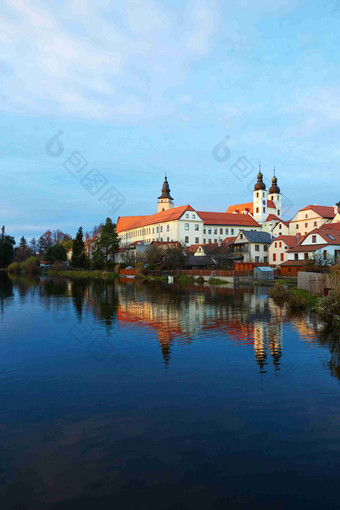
52 248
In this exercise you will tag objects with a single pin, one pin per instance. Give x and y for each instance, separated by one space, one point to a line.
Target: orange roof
324 211
306 247
286 223
130 222
290 241
217 218
249 207
272 217
328 234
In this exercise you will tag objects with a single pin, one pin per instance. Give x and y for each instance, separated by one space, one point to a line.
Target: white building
181 224
323 242
253 246
278 249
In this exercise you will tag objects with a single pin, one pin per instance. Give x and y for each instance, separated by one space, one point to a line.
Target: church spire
165 200
260 184
274 187
165 189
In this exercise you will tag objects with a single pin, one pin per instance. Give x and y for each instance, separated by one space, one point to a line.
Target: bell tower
165 200
274 194
260 208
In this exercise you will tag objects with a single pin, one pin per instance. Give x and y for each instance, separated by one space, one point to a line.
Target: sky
99 99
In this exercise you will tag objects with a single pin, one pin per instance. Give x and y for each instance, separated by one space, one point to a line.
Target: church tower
165 201
275 195
260 209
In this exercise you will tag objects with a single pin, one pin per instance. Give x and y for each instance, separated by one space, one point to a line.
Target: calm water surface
131 395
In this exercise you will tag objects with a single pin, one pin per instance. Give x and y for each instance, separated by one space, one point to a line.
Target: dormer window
313 239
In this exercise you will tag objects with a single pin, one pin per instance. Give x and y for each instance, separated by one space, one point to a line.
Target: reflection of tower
275 344
260 347
165 339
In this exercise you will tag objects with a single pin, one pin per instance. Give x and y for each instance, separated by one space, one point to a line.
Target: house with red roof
310 218
278 249
323 242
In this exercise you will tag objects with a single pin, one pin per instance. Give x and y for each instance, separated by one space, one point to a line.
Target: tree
174 257
56 252
107 242
58 236
6 248
34 246
153 254
67 244
23 251
78 252
45 242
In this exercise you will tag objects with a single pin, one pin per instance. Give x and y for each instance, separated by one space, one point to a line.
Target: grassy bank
295 299
83 274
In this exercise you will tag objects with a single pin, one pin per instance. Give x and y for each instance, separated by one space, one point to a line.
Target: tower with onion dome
260 205
165 200
274 194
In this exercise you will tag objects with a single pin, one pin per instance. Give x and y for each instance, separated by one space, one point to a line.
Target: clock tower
260 207
165 200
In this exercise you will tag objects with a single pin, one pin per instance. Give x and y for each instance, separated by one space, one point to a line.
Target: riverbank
83 274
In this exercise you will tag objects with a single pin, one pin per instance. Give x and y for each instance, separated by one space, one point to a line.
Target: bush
15 267
329 308
279 293
31 265
57 266
296 302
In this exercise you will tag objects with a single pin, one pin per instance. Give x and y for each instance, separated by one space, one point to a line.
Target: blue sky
140 88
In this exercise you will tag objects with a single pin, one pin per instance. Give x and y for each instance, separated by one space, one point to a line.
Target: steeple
274 187
165 189
165 200
260 184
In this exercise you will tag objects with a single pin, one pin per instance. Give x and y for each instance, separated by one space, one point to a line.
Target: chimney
336 208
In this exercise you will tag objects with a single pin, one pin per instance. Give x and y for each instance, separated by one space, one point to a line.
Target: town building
321 243
278 249
252 246
311 217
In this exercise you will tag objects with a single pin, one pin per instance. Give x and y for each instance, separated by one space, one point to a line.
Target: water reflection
178 315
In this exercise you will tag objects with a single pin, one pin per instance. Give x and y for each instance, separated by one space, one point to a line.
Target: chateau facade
188 226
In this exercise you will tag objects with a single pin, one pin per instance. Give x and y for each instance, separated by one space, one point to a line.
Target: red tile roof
327 230
290 241
130 222
306 247
299 263
272 217
249 207
324 211
217 218
286 223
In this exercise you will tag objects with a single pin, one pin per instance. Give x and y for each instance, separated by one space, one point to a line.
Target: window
215 230
241 236
315 223
265 247
325 254
263 194
162 228
306 215
296 256
161 239
204 241
209 241
197 240
187 226
313 239
197 227
204 231
275 245
306 225
306 256
209 230
280 226
282 256
232 231
227 231
167 228
153 230
257 259
221 231
257 195
168 239
193 216
265 259
157 229
297 226
278 212
274 257
278 197
187 215
257 247
257 209
280 244
186 239
215 240
264 209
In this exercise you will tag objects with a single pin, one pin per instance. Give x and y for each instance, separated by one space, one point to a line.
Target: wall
315 283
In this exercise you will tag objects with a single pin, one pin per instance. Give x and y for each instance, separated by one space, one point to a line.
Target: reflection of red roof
130 222
324 211
249 207
217 218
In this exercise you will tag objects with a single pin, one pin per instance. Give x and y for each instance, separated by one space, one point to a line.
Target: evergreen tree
107 242
78 250
54 253
23 251
6 248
